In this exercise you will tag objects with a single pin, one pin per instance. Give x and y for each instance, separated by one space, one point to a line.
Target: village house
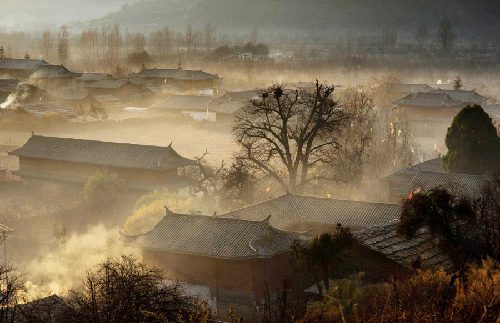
19 68
396 91
179 78
86 78
68 160
401 179
226 105
123 89
53 76
7 86
432 111
229 262
385 252
303 213
193 106
470 186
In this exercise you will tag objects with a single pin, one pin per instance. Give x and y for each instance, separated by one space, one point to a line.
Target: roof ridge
342 200
100 141
451 173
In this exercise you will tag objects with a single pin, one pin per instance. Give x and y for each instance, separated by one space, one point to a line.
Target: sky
37 14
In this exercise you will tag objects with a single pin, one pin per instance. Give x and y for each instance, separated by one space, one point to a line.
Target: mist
188 160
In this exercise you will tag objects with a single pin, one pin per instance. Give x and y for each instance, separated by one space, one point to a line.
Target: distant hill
471 18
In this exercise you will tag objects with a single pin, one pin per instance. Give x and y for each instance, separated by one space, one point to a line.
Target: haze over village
249 161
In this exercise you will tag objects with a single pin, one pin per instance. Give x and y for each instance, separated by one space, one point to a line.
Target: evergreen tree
473 143
458 83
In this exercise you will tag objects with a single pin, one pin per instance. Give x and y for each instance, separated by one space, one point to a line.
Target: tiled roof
41 109
463 184
217 237
407 174
177 74
94 76
232 101
462 95
408 88
20 64
386 241
102 153
8 85
287 210
70 93
53 71
183 102
106 98
110 84
428 99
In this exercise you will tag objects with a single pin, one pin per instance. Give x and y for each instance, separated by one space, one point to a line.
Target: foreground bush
425 297
126 291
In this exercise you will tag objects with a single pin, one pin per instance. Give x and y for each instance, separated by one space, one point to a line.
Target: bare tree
356 137
445 34
422 35
286 133
189 38
126 291
210 35
88 44
63 45
46 44
161 42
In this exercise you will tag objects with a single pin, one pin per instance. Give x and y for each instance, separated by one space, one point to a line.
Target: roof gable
102 153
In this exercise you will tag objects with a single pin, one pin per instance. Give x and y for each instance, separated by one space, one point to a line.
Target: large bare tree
63 45
286 133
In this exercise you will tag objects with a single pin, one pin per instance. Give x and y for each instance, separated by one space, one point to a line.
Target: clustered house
19 68
184 80
430 174
230 262
141 167
430 111
300 213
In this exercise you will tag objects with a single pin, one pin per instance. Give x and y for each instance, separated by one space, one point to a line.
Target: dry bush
424 297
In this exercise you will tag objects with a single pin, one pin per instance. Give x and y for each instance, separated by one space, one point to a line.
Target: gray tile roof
386 241
408 88
183 102
469 97
110 84
232 101
217 237
428 99
21 64
176 74
41 109
288 210
407 174
53 71
106 98
8 85
463 184
102 153
94 76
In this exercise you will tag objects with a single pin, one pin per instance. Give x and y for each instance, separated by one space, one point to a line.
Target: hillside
320 17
